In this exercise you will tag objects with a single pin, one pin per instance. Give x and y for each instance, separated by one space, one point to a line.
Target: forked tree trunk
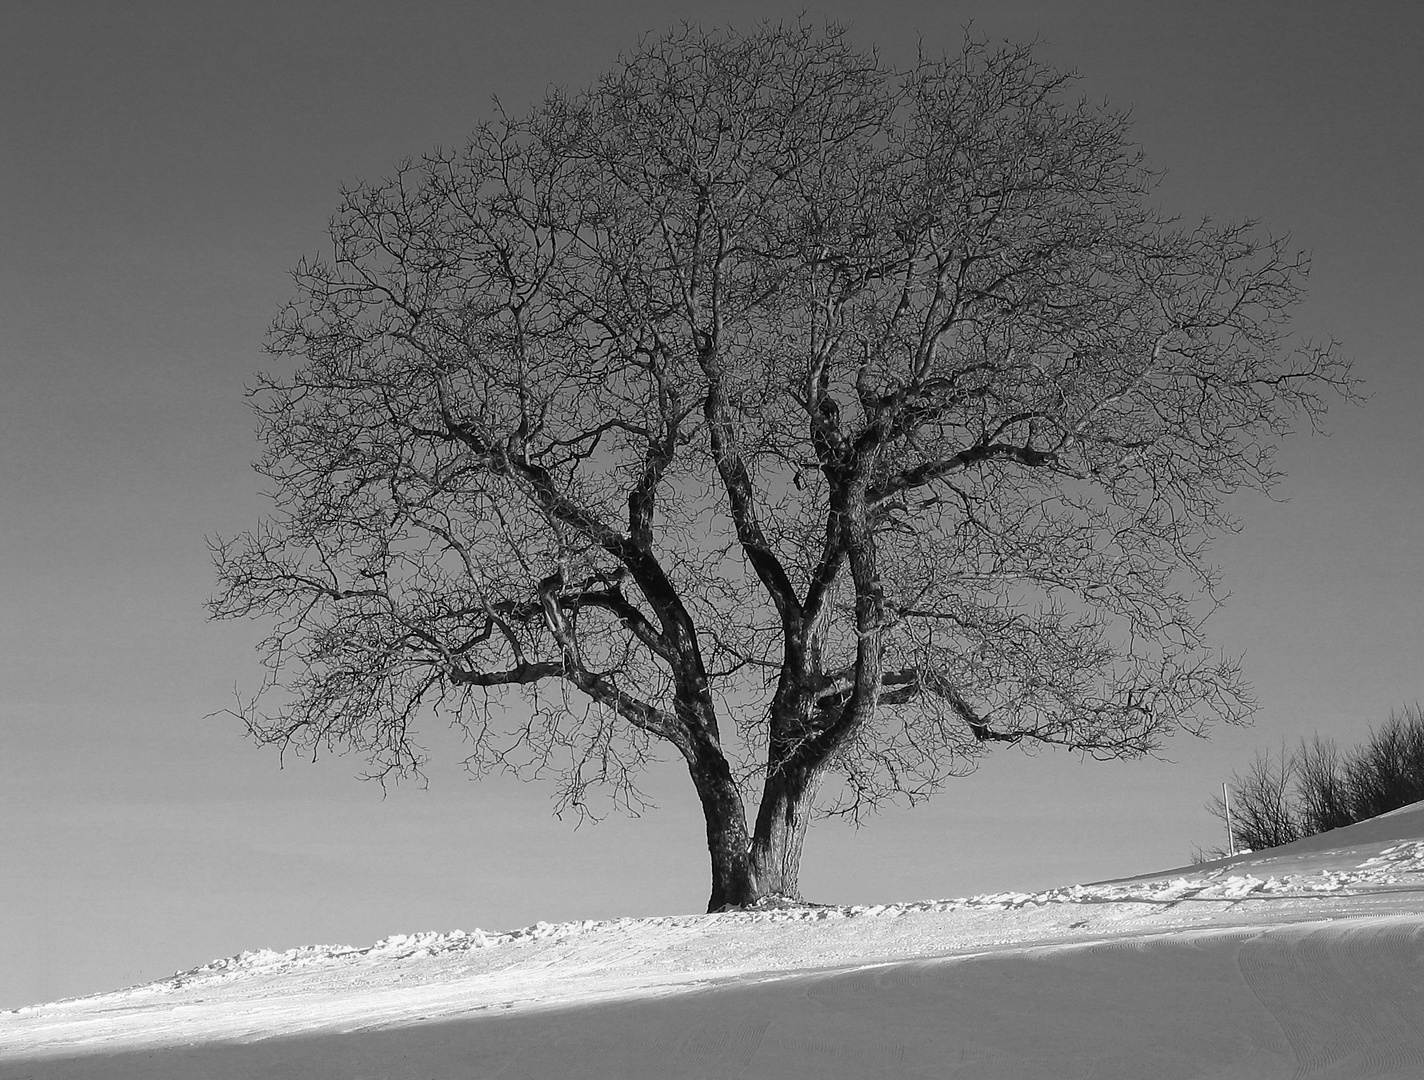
733 881
780 831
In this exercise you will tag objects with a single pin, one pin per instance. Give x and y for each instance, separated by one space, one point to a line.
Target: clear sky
162 166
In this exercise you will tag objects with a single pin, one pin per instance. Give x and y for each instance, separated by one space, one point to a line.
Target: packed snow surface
1307 960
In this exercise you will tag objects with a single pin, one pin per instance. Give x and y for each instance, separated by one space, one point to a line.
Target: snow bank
1392 865
1260 957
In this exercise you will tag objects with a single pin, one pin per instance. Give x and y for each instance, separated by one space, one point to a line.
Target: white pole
1230 840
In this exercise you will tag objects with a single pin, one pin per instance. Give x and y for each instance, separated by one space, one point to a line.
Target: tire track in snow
1349 999
723 1047
1037 1013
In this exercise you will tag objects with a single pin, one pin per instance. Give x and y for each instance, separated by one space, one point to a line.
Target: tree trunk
733 881
780 833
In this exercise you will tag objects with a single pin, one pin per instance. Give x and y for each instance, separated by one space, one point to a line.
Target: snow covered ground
1307 960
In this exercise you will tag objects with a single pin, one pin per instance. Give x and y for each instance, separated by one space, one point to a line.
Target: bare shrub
1321 786
1388 771
1262 810
1317 787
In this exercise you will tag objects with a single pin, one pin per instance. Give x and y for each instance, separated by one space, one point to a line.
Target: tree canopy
826 422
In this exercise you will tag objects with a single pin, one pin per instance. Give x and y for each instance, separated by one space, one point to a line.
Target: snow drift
1306 960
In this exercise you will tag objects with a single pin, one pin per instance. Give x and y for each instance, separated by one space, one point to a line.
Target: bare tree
1263 812
876 414
1322 788
1387 772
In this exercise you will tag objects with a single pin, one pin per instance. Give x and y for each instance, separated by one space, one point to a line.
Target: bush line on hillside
1317 787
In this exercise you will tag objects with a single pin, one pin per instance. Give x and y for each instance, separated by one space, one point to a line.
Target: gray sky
164 165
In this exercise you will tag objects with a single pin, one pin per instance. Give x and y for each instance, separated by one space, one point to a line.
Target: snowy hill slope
1304 960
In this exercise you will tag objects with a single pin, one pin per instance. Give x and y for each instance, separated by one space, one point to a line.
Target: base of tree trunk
781 831
772 902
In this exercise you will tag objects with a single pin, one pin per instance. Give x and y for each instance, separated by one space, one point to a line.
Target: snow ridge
1389 866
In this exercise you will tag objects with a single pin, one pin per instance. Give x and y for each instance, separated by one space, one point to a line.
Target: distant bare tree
1387 772
1263 813
877 412
1323 787
1316 787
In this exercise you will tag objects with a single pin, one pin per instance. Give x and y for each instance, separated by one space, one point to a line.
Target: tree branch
979 453
741 502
